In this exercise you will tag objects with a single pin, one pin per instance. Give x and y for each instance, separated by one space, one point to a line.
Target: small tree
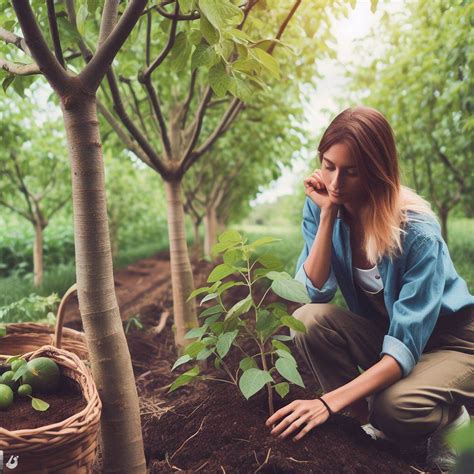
249 319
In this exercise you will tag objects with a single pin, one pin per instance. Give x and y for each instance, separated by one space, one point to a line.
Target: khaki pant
430 397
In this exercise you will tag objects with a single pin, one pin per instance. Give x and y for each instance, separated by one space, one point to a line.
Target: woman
410 323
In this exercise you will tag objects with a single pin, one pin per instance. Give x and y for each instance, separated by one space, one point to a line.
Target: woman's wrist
329 212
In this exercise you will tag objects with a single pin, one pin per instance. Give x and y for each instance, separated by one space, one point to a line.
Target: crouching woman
410 322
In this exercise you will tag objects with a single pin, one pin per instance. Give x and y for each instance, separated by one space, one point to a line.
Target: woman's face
340 175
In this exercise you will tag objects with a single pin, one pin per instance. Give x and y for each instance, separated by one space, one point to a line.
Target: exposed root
176 468
188 439
162 324
264 462
200 467
297 460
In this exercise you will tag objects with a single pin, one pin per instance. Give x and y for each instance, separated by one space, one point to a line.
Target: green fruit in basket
25 390
7 379
42 374
16 364
6 396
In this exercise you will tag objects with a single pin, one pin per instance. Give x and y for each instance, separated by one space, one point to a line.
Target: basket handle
60 316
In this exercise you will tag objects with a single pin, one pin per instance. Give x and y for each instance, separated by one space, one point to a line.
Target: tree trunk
182 281
197 244
220 226
210 230
122 443
38 255
443 216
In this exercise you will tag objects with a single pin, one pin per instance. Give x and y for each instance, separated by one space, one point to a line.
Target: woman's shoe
439 454
373 432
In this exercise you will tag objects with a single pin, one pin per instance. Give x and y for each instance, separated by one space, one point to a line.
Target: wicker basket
27 337
65 447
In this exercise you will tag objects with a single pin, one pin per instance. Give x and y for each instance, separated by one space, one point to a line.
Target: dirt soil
66 402
209 426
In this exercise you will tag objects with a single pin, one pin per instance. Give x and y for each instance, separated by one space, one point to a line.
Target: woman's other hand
304 414
316 190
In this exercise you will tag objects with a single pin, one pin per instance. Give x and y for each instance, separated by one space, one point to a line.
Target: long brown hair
370 139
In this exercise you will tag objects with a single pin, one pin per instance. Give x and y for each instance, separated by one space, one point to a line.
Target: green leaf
239 308
194 37
197 292
20 372
212 310
196 332
232 256
7 82
194 349
220 272
279 345
182 360
286 355
282 389
180 53
185 6
210 34
266 323
220 12
462 439
288 288
228 285
248 363
230 236
287 369
212 319
185 378
204 354
263 241
203 55
282 337
293 323
217 327
224 342
210 296
253 380
38 404
241 89
218 79
268 62
81 18
269 260
373 5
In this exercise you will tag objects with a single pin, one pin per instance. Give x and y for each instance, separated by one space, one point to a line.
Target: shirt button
377 277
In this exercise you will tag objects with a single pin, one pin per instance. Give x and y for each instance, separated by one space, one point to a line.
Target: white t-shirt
368 279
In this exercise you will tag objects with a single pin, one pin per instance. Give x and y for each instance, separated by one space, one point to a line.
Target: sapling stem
269 385
218 380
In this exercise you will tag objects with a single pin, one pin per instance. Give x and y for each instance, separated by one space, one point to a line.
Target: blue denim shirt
420 285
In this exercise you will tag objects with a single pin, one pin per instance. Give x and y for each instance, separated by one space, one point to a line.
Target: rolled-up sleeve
417 308
309 228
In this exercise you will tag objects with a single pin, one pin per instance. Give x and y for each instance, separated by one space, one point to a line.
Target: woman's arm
307 414
381 375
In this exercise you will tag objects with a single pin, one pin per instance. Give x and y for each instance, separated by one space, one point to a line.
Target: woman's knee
314 314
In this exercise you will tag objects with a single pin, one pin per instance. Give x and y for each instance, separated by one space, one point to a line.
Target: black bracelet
327 406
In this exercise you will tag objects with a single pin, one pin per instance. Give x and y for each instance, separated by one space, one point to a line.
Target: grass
61 277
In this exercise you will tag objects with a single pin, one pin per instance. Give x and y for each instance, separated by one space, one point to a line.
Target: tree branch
97 67
189 98
148 38
175 16
16 210
108 20
22 187
284 25
169 45
19 69
157 163
47 63
11 38
196 129
53 27
159 116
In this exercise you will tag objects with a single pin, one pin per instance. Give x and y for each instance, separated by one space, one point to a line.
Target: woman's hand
305 414
316 190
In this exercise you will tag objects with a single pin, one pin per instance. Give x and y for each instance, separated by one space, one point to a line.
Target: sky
347 31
